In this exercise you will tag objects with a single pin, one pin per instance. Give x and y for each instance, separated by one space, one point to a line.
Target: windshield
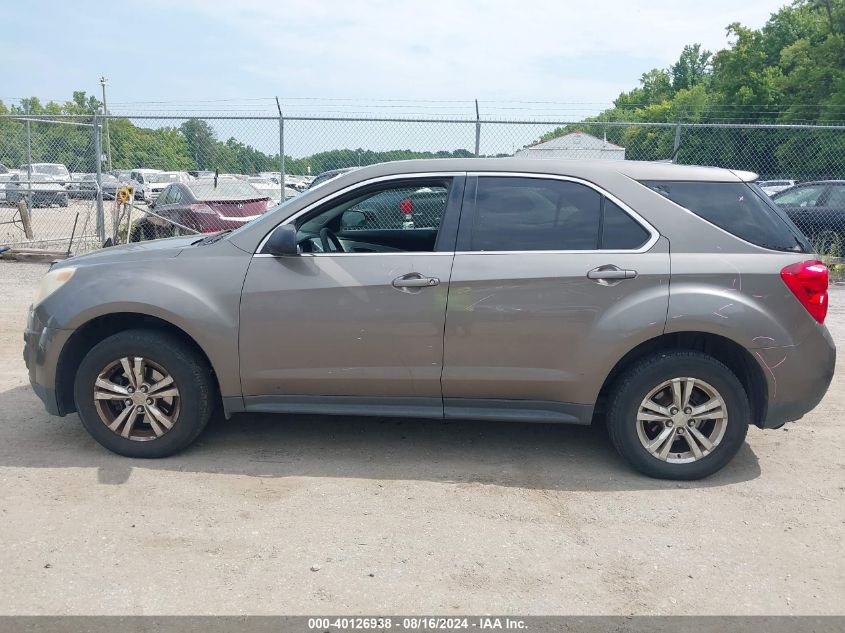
204 190
50 169
164 178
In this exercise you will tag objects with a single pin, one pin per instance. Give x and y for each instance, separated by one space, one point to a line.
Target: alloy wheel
682 420
137 398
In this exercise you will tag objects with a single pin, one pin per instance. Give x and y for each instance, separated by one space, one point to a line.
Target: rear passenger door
553 281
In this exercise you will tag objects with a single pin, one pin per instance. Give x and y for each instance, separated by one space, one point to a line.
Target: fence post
677 146
477 130
98 162
28 158
281 149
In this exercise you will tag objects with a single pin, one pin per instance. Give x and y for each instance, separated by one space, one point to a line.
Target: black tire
647 374
63 201
189 371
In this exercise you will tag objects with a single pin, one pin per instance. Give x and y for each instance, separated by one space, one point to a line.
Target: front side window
537 214
405 216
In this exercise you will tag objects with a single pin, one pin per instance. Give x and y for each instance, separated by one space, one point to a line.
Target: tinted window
837 197
530 214
619 230
806 196
736 208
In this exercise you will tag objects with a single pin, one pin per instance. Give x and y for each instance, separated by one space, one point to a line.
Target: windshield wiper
214 237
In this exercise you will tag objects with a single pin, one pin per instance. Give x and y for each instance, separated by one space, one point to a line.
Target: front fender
199 295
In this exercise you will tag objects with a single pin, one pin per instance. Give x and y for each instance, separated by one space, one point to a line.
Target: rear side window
735 208
535 214
619 231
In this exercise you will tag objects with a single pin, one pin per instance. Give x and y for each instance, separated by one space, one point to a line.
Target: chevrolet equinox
676 304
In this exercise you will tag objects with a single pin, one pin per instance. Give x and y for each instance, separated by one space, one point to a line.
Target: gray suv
676 304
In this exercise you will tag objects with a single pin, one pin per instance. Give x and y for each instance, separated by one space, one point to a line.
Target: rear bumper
798 377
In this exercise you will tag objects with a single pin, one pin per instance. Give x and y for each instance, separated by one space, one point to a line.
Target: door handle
610 273
415 280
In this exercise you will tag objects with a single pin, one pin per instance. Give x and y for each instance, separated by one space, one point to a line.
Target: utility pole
103 82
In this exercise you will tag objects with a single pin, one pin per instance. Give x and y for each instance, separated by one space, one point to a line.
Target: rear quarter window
736 208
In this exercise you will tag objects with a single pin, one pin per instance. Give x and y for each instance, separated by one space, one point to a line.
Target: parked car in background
547 292
329 175
110 184
44 189
3 169
4 179
56 171
818 209
771 187
158 181
123 175
200 206
271 189
300 183
201 173
139 179
72 187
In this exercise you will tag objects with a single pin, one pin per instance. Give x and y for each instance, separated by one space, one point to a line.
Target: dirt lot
407 516
52 226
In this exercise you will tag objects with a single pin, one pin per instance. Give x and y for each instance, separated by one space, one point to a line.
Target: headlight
51 282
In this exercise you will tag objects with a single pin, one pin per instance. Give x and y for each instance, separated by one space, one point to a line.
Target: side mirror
282 242
352 220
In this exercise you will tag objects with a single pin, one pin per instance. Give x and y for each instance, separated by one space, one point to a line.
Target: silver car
675 304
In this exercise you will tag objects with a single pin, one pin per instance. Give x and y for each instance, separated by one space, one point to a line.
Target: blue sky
190 55
211 49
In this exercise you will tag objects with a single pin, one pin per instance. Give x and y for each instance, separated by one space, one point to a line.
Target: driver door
360 330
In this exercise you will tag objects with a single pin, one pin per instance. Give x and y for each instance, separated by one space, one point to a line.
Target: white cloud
436 49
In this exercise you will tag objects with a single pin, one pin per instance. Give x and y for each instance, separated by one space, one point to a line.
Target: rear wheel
678 415
143 393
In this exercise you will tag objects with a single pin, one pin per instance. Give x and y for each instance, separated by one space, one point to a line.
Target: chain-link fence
202 174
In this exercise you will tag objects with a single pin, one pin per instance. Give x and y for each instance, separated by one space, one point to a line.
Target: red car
201 206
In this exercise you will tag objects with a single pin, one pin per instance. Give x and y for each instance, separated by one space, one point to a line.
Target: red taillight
808 281
406 206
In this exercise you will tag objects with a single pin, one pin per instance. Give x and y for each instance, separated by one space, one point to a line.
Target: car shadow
536 456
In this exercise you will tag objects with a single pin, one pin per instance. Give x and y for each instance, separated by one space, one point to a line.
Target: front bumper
798 377
42 346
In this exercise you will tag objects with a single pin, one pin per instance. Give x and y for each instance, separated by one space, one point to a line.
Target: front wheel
143 393
678 415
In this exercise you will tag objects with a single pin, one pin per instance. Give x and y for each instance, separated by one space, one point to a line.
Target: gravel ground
401 516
